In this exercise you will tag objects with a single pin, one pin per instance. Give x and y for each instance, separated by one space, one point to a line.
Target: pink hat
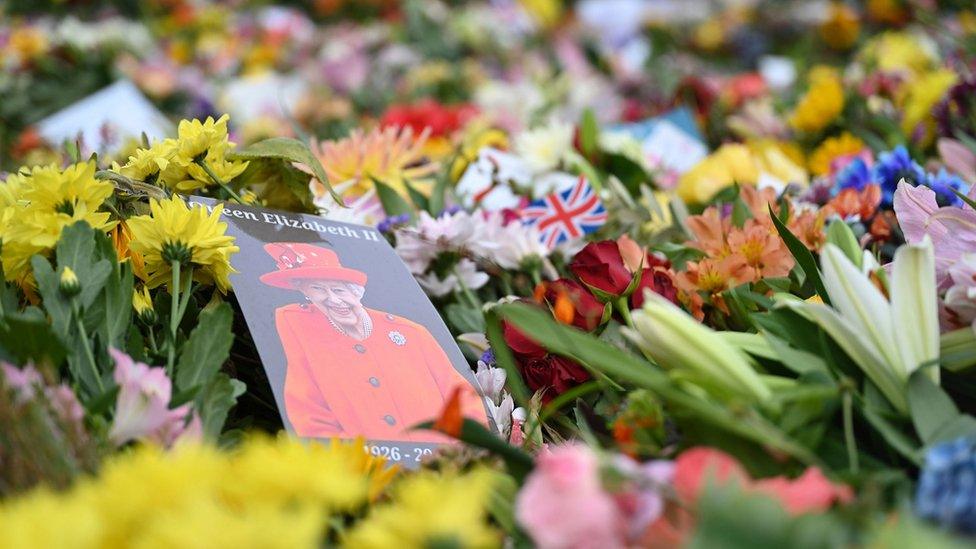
296 261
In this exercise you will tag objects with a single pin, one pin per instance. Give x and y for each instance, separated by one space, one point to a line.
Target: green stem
466 292
206 167
623 307
849 439
174 316
86 344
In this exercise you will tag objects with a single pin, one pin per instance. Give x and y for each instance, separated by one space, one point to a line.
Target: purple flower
488 357
891 167
947 486
391 223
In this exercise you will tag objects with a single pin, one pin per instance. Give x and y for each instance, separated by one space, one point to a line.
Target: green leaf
505 359
438 195
76 249
464 319
393 203
895 438
519 463
215 401
48 285
804 258
740 212
289 150
624 367
964 198
589 133
27 337
841 235
419 200
206 349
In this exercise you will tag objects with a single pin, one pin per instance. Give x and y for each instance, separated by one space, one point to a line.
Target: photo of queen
353 371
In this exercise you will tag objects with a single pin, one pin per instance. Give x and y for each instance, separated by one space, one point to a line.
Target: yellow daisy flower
821 104
831 148
193 237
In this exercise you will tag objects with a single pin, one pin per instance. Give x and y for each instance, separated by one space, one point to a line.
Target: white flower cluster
476 239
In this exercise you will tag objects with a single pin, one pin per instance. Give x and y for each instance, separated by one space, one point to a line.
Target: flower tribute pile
756 324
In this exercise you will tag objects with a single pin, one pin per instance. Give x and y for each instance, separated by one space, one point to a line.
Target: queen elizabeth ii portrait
354 371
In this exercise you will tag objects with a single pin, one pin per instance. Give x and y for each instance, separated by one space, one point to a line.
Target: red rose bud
584 311
520 344
601 266
656 281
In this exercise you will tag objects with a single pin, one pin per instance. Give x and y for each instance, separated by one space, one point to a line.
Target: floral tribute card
351 344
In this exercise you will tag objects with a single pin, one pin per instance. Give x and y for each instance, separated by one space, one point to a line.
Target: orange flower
850 202
765 254
712 276
709 230
808 226
451 419
759 201
121 236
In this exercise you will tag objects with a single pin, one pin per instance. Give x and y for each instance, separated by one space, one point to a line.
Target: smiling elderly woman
354 371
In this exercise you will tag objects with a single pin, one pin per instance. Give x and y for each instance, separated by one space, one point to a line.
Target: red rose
551 374
657 281
442 120
520 344
601 266
587 310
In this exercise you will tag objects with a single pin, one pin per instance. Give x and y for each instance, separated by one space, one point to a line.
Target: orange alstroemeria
850 202
765 254
451 418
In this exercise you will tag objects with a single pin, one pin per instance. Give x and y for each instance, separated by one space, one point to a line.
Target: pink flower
563 505
565 502
142 409
952 229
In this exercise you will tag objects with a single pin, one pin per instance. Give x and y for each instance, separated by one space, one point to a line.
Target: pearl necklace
367 326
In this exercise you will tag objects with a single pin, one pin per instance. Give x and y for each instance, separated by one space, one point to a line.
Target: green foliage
286 150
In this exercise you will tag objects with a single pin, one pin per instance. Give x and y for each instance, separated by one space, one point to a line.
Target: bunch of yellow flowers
269 492
195 159
821 104
37 204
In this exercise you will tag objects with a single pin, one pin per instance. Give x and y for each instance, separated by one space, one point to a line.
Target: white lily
692 351
888 340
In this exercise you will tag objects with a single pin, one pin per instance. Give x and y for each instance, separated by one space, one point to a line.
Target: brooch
397 338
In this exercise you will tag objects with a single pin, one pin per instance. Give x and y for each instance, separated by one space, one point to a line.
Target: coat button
359 348
374 382
389 420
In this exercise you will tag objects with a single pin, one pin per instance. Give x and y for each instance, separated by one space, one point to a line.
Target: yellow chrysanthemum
841 28
431 510
196 138
189 236
831 148
392 155
27 43
737 163
142 303
335 478
821 104
147 164
921 96
36 205
900 51
266 493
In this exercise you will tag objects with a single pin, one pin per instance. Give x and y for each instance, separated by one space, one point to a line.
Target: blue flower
891 167
947 486
943 183
855 175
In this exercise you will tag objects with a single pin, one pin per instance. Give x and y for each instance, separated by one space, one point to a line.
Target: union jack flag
567 214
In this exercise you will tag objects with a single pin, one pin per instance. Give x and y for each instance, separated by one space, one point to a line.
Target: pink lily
952 230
